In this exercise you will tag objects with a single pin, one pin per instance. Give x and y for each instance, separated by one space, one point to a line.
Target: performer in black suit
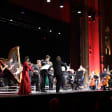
44 72
58 72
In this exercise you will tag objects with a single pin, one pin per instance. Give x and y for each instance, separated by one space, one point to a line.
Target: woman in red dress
25 86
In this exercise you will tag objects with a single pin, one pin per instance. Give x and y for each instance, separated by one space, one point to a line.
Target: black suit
44 74
58 73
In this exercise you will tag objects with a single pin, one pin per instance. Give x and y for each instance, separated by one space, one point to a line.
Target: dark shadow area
72 102
36 34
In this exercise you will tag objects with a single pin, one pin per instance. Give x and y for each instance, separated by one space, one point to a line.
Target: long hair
26 58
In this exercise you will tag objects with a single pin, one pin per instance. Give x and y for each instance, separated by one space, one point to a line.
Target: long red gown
25 86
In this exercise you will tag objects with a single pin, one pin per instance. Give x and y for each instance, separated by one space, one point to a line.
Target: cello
92 81
104 80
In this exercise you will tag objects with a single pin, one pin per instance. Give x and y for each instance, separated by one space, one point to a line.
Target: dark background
23 31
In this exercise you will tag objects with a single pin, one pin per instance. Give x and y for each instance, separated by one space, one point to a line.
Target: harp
16 70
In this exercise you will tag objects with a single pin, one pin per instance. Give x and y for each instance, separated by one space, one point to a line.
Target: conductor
58 72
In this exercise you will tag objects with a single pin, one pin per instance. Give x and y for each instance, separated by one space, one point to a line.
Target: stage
6 92
66 100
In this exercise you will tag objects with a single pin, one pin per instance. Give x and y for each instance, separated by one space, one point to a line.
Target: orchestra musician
8 78
71 77
93 81
104 79
10 64
82 71
50 75
110 81
2 69
36 75
44 71
25 86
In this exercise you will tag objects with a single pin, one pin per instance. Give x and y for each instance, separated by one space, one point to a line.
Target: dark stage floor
14 92
66 100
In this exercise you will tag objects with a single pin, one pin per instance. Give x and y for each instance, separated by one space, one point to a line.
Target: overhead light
50 30
39 27
48 1
79 12
61 6
59 33
11 20
89 16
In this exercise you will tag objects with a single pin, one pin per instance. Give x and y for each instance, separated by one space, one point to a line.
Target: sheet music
45 67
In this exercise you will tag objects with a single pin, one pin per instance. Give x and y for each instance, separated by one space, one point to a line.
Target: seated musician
2 68
93 81
104 79
110 81
12 68
71 77
82 70
10 64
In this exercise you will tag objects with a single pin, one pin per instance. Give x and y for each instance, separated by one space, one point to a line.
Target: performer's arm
11 67
3 68
29 67
63 64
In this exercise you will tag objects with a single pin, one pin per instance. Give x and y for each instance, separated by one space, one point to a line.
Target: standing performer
25 86
44 71
58 72
36 75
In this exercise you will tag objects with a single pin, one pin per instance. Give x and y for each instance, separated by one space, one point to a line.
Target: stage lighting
48 1
39 28
11 20
50 30
79 12
61 4
89 16
59 33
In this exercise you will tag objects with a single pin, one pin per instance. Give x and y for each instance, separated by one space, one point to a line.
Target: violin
29 63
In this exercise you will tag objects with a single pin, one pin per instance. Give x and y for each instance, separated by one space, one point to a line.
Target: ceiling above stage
49 9
52 9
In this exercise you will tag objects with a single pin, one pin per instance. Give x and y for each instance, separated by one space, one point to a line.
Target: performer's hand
35 71
11 67
6 66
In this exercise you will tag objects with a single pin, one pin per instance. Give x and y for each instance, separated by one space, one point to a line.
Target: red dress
25 86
